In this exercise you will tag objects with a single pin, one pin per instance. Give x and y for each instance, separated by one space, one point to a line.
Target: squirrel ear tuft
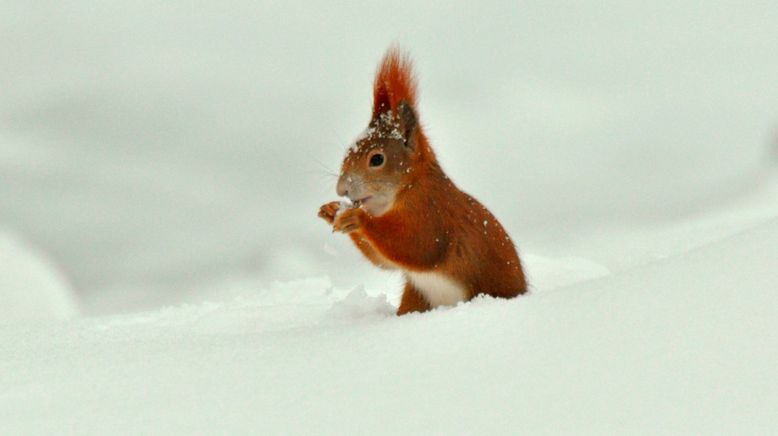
394 82
408 122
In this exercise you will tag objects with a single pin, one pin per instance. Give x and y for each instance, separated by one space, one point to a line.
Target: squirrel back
408 215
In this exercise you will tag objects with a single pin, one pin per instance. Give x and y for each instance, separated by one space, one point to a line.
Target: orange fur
412 301
394 82
431 226
454 240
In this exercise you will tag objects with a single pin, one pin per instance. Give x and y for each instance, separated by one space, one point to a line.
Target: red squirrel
407 215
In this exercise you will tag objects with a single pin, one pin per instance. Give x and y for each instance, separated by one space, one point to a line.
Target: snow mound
31 287
359 305
683 345
546 273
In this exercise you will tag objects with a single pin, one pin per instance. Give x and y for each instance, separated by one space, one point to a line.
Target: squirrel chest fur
407 214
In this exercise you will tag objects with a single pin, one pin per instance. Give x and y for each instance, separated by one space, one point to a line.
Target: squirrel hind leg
412 301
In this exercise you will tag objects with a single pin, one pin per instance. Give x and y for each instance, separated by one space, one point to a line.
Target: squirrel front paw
349 220
329 210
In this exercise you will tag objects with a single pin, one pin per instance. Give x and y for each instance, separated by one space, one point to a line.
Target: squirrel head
387 157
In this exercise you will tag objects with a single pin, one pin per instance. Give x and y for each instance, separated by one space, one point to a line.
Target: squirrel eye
376 160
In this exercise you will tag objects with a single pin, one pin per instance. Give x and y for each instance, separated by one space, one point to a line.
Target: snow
682 345
162 268
32 287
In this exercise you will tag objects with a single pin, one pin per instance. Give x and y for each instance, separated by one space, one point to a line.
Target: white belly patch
436 288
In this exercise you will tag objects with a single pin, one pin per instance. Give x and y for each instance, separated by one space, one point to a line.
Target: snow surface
682 345
163 271
32 288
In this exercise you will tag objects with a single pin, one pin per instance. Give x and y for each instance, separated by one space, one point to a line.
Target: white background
161 160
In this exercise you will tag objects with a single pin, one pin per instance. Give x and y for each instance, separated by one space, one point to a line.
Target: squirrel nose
341 189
